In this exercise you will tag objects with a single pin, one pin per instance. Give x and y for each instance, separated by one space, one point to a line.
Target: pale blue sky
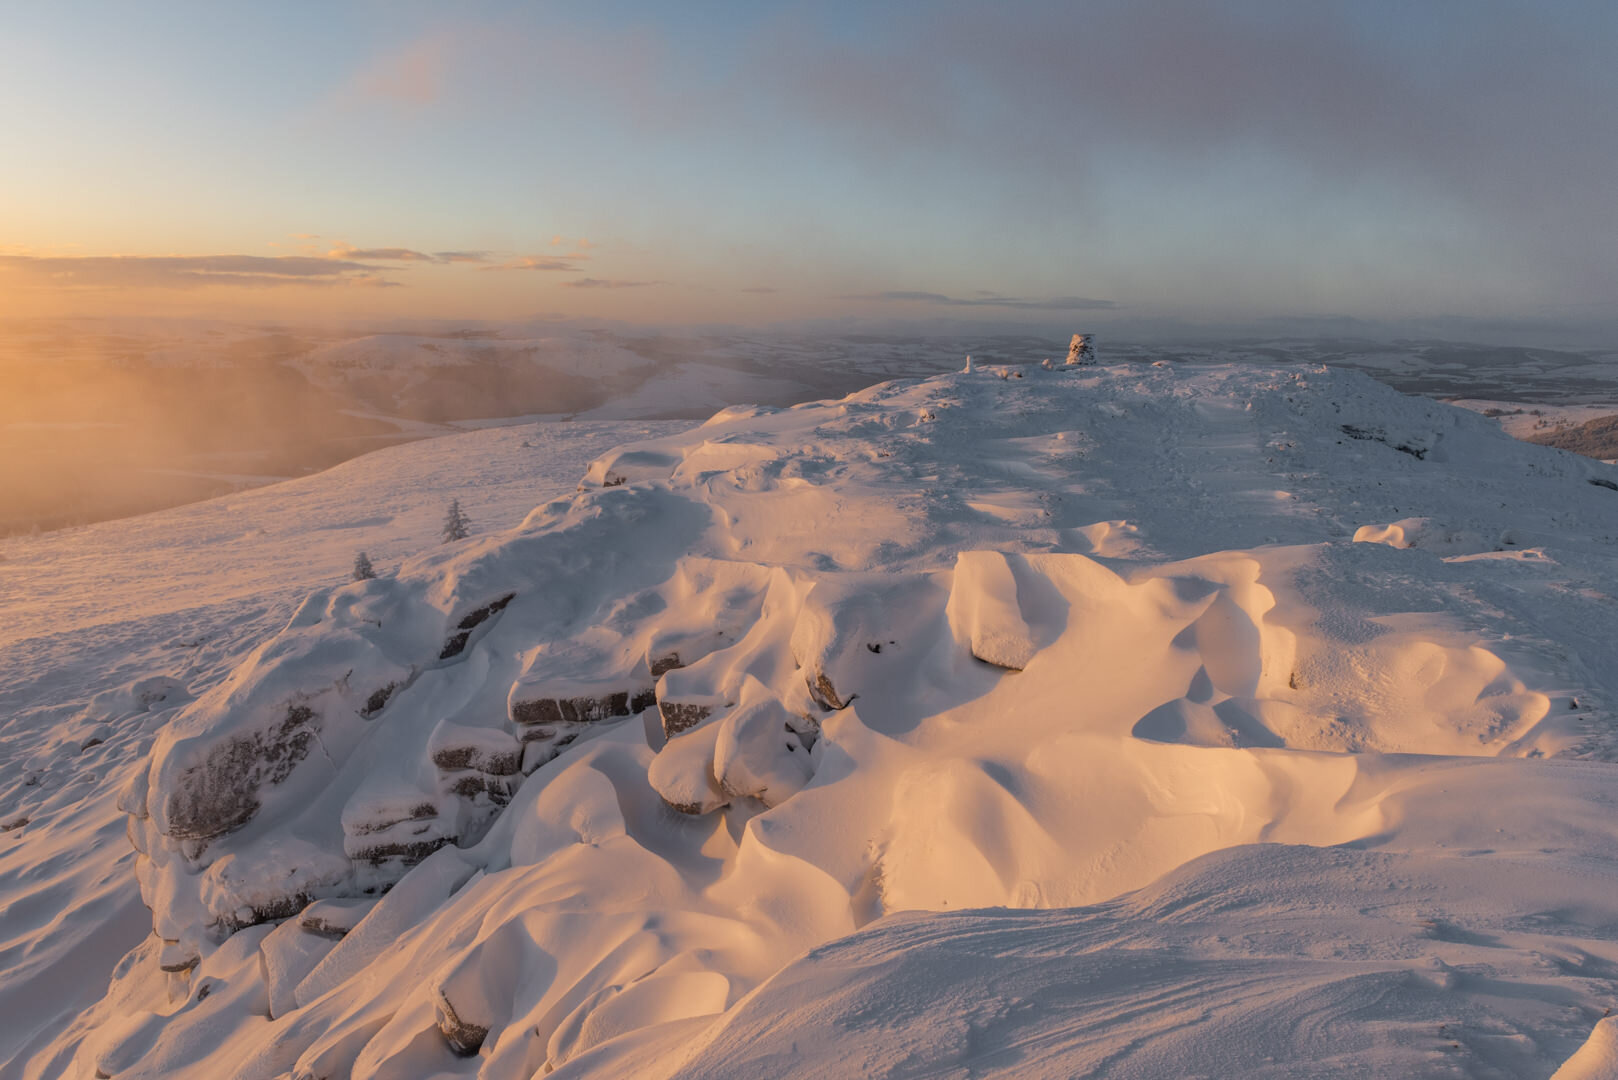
1190 161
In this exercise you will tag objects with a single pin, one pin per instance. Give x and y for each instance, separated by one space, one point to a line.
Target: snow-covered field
1138 721
1525 420
162 607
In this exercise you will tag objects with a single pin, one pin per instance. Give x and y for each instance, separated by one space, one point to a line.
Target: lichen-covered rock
682 716
220 792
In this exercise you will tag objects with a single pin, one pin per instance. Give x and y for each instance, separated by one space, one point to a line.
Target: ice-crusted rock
468 624
334 918
470 997
269 733
572 683
757 753
289 954
682 772
853 629
624 466
567 689
984 612
394 825
175 958
220 791
151 693
455 746
681 709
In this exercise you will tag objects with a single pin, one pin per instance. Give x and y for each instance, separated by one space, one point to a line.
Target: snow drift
1020 638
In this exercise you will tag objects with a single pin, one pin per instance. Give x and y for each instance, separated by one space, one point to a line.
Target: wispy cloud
562 263
187 271
393 254
988 300
760 289
607 283
402 254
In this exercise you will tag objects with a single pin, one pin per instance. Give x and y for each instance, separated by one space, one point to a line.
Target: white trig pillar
1082 349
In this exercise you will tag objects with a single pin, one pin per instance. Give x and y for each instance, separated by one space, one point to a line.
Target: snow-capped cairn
1081 350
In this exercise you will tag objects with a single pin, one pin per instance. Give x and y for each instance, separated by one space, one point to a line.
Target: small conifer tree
456 524
363 570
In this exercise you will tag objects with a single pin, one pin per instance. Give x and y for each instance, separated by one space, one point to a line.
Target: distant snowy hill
1166 719
106 418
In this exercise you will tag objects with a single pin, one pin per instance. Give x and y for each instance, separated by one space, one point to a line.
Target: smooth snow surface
1291 693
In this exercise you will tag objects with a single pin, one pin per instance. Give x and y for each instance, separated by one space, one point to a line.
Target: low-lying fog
102 419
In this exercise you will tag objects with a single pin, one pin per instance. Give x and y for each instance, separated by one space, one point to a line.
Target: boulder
455 644
455 747
758 754
984 614
682 772
854 630
220 793
334 918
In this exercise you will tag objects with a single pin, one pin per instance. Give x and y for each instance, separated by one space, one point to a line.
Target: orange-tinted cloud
607 283
183 271
989 300
400 254
563 263
344 251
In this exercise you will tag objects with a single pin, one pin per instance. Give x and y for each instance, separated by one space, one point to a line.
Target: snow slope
1233 667
109 628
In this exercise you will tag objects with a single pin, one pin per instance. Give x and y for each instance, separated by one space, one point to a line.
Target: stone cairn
1082 349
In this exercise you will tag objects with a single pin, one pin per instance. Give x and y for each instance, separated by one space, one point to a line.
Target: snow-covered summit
1011 637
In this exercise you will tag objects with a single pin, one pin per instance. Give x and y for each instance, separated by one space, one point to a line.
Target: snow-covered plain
1149 720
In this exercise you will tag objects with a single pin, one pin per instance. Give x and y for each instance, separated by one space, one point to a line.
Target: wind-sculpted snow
558 797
